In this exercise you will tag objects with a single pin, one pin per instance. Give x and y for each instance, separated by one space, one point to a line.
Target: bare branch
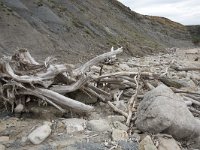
70 88
82 69
132 101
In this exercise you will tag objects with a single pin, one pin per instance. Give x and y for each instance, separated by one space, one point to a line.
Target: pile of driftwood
23 79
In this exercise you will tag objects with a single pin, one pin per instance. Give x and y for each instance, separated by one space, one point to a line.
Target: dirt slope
76 30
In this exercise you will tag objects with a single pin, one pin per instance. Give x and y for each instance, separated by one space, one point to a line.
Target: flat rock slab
163 111
98 125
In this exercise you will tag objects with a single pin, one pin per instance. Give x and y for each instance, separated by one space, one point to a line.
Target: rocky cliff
76 30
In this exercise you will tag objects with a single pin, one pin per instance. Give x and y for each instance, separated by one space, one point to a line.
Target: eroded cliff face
76 30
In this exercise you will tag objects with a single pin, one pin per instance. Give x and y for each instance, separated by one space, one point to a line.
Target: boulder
163 111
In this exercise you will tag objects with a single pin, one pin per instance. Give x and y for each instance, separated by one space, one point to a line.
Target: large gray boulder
161 110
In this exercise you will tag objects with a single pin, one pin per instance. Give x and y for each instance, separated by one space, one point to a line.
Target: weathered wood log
64 101
37 94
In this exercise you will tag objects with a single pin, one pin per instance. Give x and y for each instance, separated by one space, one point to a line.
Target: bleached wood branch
64 101
37 94
24 56
70 88
132 101
82 69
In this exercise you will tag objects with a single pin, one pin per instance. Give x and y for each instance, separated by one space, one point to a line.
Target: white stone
74 124
2 147
19 108
4 138
38 135
98 125
119 135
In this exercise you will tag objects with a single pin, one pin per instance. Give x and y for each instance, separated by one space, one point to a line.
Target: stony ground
103 128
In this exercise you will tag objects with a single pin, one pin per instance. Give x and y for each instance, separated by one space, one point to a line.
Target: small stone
182 74
4 138
98 125
147 144
135 137
102 104
121 105
167 144
19 108
129 92
124 67
114 118
2 147
74 125
108 67
95 69
119 135
38 135
120 126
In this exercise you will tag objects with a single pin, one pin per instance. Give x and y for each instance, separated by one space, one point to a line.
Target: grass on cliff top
196 39
166 22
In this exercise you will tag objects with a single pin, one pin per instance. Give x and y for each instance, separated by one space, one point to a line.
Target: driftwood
132 101
25 80
22 75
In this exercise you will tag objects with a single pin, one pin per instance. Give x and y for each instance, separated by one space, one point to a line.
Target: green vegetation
195 33
196 39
